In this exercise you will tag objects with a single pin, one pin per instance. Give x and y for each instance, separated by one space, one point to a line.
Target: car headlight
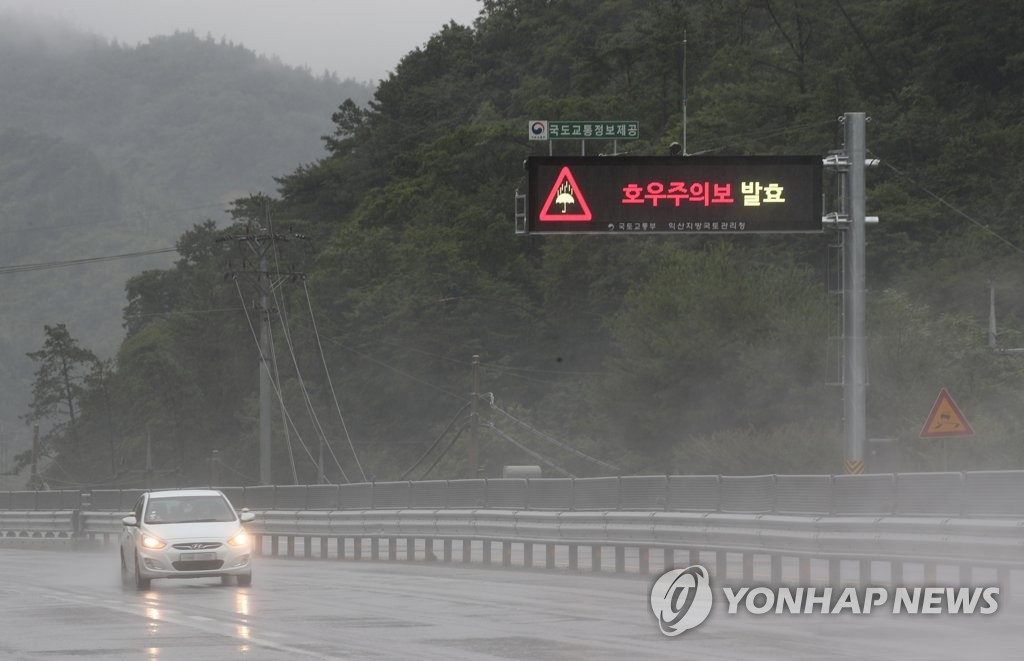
151 542
240 538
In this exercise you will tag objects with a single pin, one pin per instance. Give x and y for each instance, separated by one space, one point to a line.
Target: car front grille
197 546
197 565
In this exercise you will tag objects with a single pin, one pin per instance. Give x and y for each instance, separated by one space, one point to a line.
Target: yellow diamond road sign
945 419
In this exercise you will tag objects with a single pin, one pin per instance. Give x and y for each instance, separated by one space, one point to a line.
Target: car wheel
126 579
140 582
244 580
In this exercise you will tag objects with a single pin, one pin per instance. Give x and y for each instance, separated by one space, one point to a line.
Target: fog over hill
109 150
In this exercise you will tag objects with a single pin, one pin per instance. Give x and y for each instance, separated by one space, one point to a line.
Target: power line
553 440
44 266
960 212
330 382
436 441
536 455
439 457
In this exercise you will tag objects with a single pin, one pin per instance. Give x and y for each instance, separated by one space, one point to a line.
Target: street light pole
854 403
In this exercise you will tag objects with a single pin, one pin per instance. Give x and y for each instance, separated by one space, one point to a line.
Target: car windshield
188 509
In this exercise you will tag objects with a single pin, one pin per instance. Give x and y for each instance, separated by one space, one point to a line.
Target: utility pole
474 421
261 242
34 480
149 458
265 421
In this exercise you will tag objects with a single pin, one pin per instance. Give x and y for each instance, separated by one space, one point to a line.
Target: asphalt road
70 605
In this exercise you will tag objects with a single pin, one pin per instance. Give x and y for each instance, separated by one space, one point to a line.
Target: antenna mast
684 94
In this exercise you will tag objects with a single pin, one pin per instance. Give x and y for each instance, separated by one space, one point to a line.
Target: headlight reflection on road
153 617
242 603
243 630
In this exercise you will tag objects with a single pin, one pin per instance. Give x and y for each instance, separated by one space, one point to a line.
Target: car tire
140 582
244 580
126 578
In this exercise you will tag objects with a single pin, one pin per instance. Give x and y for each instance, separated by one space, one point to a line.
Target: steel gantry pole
855 383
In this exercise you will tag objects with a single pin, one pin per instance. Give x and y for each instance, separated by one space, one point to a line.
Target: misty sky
361 39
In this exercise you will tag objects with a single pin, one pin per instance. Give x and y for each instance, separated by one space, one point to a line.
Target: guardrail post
339 543
776 563
748 568
307 547
834 571
1003 581
865 573
620 559
467 550
645 560
410 548
291 545
392 549
694 557
574 557
428 549
357 548
274 543
896 572
549 556
595 558
929 573
487 552
966 575
323 548
506 554
375 548
804 570
447 545
721 566
668 559
528 554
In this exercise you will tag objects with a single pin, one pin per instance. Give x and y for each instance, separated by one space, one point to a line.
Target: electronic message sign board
673 195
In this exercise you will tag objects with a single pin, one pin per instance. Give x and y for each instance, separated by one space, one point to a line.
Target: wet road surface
58 604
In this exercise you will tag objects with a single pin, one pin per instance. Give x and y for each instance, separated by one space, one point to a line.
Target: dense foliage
683 354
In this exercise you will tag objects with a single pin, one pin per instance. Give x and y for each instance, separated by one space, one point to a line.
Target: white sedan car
191 533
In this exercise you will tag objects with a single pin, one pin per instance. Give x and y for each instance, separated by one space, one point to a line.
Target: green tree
59 387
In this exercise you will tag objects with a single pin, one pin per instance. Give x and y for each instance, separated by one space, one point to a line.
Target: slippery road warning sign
945 419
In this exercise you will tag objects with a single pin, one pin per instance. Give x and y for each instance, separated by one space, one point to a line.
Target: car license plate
198 556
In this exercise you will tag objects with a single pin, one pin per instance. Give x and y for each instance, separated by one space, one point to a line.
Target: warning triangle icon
945 419
565 201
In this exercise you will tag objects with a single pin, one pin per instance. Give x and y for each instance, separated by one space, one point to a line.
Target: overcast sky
361 39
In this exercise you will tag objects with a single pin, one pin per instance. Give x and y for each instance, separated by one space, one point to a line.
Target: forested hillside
649 354
108 150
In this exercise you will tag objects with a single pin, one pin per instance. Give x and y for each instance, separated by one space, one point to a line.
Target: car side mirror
130 520
246 517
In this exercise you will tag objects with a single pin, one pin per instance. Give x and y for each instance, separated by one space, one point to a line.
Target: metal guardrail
971 494
971 520
38 525
968 544
996 545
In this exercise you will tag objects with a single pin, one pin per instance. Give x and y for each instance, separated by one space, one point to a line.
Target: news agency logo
681 599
